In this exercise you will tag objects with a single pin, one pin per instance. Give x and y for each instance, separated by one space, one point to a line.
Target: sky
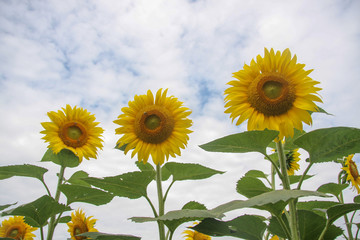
99 54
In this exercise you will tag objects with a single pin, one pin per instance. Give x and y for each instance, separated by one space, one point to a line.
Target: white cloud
98 54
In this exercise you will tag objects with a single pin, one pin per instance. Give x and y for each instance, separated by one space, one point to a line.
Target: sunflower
80 224
352 172
16 228
154 126
292 158
273 92
194 235
74 129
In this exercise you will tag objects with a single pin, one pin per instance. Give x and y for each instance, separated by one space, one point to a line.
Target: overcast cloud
99 54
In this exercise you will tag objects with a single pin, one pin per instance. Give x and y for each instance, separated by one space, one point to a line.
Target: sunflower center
154 124
353 170
271 94
79 230
13 233
73 134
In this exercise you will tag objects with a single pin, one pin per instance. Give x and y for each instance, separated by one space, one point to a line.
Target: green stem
52 223
152 206
273 186
275 166
303 175
286 185
42 233
161 202
46 187
168 189
283 226
347 223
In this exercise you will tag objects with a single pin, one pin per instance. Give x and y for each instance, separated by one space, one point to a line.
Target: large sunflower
273 92
16 228
74 129
156 126
292 159
80 224
194 235
352 172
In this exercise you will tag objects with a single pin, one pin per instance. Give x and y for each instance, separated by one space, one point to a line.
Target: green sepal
65 158
120 147
25 170
250 141
328 144
106 236
38 211
189 171
249 227
78 193
132 185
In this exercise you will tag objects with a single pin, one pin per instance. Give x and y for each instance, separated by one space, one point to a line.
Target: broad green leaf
251 141
328 144
339 210
289 141
311 226
251 187
172 225
106 236
2 207
144 166
131 185
296 178
76 178
357 199
39 211
332 188
65 219
64 158
318 207
25 170
78 193
165 173
189 171
246 227
256 174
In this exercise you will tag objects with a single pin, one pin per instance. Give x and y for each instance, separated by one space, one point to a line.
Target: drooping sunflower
156 126
352 172
80 224
16 228
273 92
74 129
292 159
194 235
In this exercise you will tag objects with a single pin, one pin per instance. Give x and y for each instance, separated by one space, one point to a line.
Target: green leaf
251 141
318 207
65 219
25 170
311 226
105 236
251 187
256 174
332 188
78 193
189 171
165 173
357 199
246 227
328 144
339 210
296 178
172 225
38 211
76 178
144 166
64 158
131 185
2 207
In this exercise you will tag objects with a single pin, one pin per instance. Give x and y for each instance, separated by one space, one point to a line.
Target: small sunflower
154 126
16 228
352 172
74 129
273 92
80 224
292 159
194 235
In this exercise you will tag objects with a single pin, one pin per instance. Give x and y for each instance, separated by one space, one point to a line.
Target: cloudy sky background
99 54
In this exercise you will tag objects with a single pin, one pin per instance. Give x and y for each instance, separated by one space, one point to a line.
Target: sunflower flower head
352 172
80 224
74 129
194 235
273 92
292 159
16 228
154 125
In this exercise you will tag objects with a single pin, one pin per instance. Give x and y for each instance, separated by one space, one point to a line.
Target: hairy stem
161 202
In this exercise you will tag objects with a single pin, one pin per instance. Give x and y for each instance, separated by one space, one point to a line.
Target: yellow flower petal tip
156 126
273 92
195 235
74 129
